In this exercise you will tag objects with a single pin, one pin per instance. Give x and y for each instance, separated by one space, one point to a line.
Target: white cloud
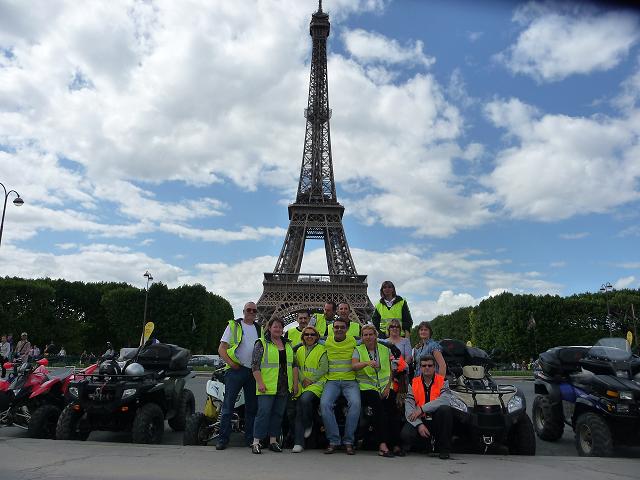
626 282
560 166
370 47
447 302
173 93
520 282
561 41
559 264
574 236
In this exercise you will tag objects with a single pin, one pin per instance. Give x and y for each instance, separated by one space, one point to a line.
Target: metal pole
17 202
146 299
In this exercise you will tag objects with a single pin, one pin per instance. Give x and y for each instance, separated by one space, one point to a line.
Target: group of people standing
330 355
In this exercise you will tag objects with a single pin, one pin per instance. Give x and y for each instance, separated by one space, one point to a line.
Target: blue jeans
304 415
234 380
332 390
269 418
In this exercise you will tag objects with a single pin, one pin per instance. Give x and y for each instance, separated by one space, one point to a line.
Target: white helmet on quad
134 369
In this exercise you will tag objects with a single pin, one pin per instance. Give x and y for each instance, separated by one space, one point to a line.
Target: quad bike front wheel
547 419
43 422
185 407
199 430
522 437
593 436
68 427
148 424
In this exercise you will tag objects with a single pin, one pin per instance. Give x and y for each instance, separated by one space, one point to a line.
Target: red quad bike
32 399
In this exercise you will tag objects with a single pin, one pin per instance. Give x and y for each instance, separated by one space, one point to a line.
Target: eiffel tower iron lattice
316 213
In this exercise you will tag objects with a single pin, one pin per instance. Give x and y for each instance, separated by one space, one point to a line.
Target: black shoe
255 448
221 446
444 456
274 447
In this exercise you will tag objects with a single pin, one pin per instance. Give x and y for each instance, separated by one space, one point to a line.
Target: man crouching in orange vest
424 396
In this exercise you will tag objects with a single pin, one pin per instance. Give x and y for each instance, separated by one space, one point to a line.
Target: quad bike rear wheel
547 419
184 409
43 422
593 436
199 430
148 424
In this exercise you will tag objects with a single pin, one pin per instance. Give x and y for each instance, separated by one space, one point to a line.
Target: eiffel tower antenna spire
316 213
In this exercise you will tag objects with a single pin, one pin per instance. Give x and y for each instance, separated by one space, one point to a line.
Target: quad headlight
515 404
626 395
458 404
73 391
129 392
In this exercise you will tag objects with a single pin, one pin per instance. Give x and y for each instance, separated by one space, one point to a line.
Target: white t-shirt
245 349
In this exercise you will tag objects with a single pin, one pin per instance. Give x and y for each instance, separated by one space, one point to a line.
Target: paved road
564 447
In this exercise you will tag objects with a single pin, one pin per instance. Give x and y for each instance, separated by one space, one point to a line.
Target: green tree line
84 316
522 326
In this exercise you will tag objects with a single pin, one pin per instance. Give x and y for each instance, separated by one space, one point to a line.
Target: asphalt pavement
25 458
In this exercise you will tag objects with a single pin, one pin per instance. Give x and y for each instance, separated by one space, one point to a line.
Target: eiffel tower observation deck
315 214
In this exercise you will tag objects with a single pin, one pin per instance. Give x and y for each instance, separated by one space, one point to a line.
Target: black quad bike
594 390
487 416
135 394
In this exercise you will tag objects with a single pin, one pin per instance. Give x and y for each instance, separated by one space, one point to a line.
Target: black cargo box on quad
562 361
164 356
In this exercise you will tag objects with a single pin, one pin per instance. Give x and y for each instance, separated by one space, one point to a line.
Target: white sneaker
307 431
297 449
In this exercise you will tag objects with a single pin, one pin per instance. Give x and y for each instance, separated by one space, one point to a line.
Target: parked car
205 361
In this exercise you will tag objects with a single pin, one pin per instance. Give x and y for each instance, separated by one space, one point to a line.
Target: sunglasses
308 334
393 326
429 365
339 328
251 310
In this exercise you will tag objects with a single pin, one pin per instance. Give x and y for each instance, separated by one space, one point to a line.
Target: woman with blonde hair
372 362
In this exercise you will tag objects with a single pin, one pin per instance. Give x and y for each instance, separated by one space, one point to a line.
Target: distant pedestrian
62 353
5 353
35 352
50 350
83 357
23 347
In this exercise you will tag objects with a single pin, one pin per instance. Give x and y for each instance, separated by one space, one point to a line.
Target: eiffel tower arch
316 213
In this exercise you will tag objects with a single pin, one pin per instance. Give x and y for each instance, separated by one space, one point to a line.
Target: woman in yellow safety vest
275 370
391 305
372 363
313 364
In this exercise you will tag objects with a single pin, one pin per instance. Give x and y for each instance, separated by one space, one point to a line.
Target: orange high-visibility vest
418 389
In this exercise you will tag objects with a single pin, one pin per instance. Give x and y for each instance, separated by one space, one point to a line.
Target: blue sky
478 147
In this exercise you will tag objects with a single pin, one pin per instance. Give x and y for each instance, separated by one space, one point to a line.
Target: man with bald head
236 349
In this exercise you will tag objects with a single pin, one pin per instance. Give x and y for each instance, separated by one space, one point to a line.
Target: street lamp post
17 202
605 288
146 298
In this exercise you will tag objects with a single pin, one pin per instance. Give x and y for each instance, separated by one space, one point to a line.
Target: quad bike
595 390
32 399
202 428
488 415
136 394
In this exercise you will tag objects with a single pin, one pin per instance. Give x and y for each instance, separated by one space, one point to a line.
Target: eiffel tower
315 214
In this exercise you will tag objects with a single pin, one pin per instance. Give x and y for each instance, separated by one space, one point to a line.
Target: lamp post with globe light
17 202
149 278
605 288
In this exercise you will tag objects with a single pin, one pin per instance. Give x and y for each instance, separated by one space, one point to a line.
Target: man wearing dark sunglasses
236 349
426 396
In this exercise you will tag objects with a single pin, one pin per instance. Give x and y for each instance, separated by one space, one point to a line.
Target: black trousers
380 421
440 427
